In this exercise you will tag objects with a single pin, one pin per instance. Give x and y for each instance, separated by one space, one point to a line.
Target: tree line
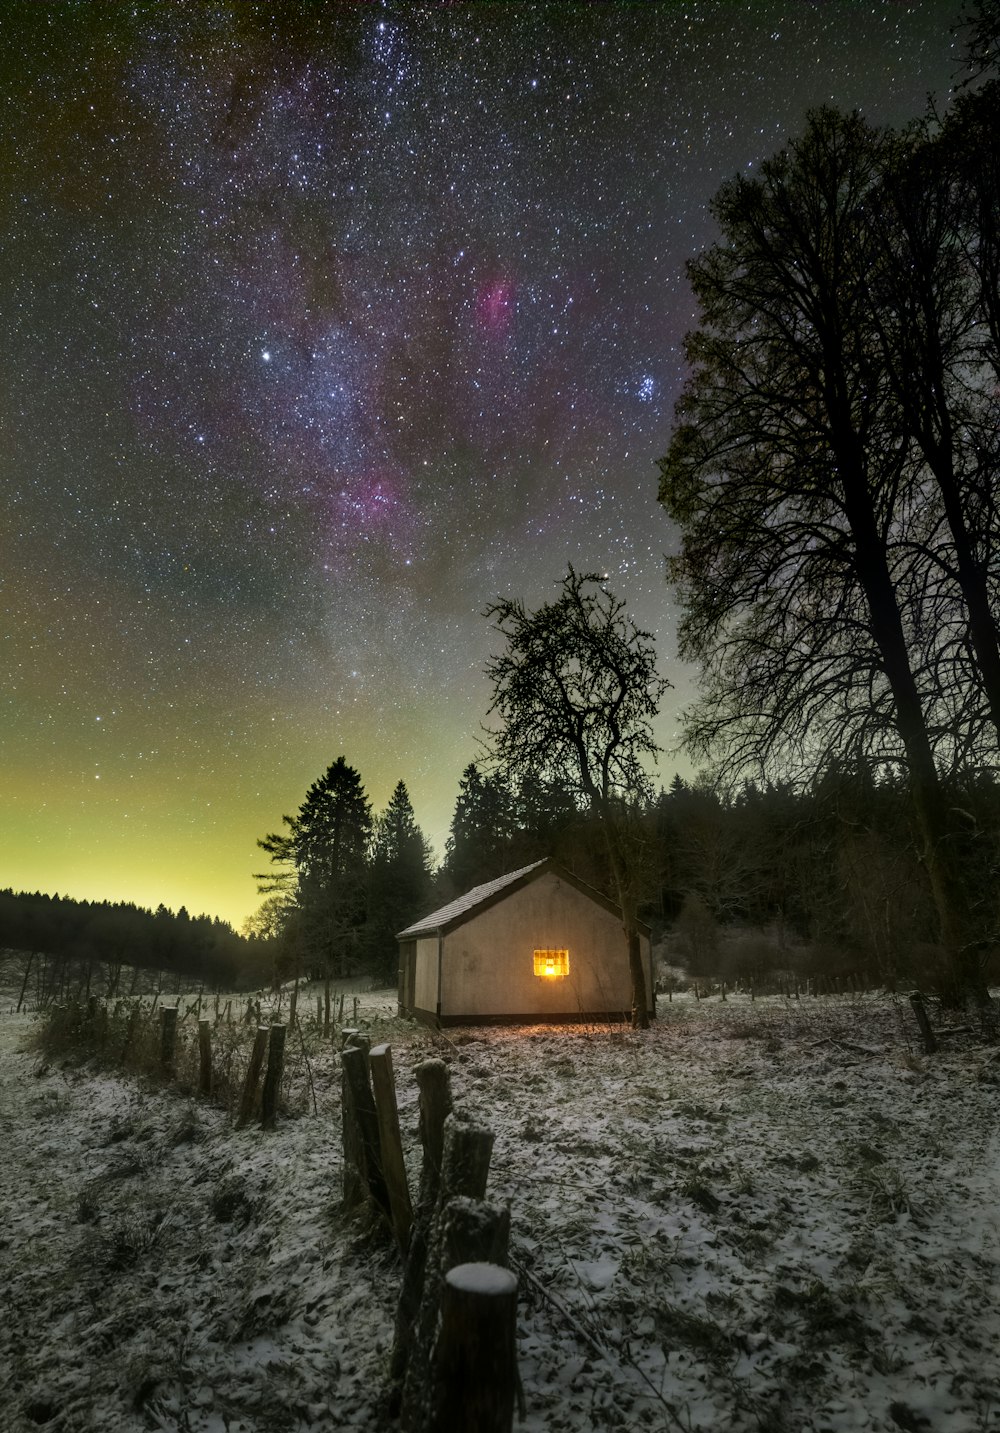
77 942
814 878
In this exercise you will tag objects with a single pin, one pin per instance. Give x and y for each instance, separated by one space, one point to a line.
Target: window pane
551 963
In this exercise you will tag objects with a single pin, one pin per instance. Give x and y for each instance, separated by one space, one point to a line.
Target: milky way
322 327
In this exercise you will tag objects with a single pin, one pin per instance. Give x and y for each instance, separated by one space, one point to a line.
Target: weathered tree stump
248 1098
272 1077
475 1360
205 1056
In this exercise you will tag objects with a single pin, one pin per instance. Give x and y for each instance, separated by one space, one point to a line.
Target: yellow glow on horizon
177 842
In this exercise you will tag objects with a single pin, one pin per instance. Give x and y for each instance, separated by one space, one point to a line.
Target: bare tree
576 690
791 477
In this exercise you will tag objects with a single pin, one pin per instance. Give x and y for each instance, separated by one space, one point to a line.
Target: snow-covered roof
464 905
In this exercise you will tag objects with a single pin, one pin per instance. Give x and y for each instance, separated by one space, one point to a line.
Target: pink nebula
495 304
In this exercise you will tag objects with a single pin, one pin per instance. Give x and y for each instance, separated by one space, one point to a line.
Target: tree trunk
630 921
962 967
972 580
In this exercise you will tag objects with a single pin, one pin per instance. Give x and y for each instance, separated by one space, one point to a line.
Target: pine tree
482 829
398 881
324 856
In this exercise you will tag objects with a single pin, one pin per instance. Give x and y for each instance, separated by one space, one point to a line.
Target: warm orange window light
551 963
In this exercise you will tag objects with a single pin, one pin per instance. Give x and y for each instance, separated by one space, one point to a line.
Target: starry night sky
322 326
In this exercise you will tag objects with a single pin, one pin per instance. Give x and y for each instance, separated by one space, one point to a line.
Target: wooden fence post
361 1136
248 1098
391 1144
168 1038
205 1056
465 1167
354 1184
474 1231
434 1082
475 1360
272 1077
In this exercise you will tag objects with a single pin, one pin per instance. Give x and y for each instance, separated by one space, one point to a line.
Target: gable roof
463 908
457 910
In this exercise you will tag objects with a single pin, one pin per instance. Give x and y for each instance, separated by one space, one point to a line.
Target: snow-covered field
769 1216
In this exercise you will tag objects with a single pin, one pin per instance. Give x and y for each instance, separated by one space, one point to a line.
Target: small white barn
534 946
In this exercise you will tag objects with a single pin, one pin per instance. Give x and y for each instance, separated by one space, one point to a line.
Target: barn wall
425 986
487 967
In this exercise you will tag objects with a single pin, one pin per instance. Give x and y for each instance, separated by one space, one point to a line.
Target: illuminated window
551 963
